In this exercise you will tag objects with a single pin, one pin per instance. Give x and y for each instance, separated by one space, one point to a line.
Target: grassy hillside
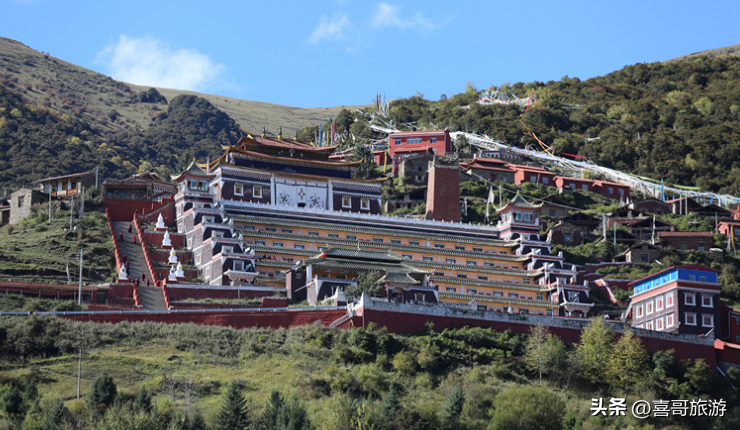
470 378
733 51
90 96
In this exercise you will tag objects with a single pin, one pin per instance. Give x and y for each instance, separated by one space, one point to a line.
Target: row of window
377 239
256 190
347 203
667 322
414 140
474 291
655 305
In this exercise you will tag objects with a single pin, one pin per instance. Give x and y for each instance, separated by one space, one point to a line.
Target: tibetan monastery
304 215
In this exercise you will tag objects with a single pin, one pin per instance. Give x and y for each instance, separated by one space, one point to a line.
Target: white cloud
387 15
330 28
148 61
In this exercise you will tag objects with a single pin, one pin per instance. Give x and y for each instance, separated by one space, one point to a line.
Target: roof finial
264 131
280 133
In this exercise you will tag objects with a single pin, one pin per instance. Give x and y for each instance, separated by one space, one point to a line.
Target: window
611 190
689 318
477 249
239 189
489 264
299 275
346 201
407 256
396 241
649 307
639 311
21 201
227 249
539 296
238 266
218 234
659 304
526 281
413 140
257 191
197 259
482 277
689 299
573 297
523 311
460 247
351 237
482 307
644 258
259 242
439 273
450 261
584 187
669 300
277 244
707 320
288 230
289 260
365 204
669 321
439 245
451 289
432 140
472 291
462 275
414 242
706 301
700 247
533 178
333 235
692 278
659 323
270 229
377 239
208 219
621 191
552 213
702 278
649 325
471 263
545 180
313 233
498 294
513 295
299 246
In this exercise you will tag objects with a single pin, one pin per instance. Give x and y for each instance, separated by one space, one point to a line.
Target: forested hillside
676 121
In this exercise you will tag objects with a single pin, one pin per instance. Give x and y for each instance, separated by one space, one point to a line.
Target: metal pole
79 297
79 372
49 205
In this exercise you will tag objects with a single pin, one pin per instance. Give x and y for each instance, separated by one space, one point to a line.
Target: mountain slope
733 51
90 96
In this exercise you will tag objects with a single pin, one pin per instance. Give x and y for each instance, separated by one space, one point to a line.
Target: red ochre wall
221 293
124 209
398 322
261 319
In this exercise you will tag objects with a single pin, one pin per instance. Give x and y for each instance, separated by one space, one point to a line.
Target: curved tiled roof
503 300
492 284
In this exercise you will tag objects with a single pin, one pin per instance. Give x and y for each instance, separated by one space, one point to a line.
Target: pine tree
629 362
102 392
595 349
143 401
270 415
391 403
453 404
234 413
58 416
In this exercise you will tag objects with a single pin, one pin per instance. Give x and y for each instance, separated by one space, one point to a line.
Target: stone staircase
151 297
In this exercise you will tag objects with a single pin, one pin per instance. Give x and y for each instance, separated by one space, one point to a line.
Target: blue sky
342 52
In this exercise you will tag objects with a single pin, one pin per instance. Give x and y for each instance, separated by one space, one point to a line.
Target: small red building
612 189
419 142
535 175
727 227
491 169
574 183
381 158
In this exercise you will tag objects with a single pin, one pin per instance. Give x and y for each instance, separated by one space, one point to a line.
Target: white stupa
180 273
160 224
173 257
166 242
173 276
123 275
